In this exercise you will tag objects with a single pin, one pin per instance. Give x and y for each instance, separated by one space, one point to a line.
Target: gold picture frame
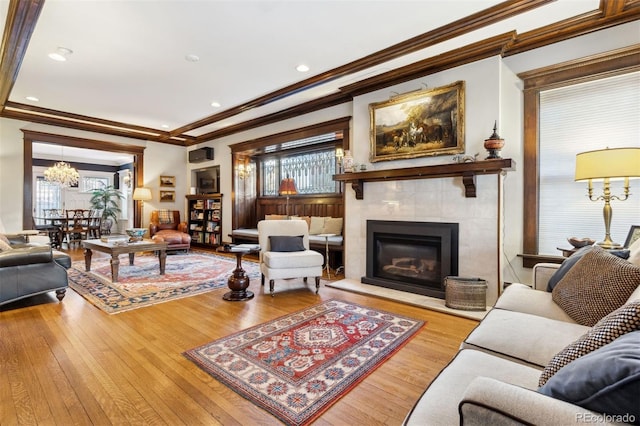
168 181
423 123
167 196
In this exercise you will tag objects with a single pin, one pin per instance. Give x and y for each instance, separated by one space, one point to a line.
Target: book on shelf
213 204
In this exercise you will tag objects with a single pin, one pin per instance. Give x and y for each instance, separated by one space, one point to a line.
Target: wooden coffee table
115 250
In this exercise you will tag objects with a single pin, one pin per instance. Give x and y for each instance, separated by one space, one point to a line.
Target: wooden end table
116 249
238 281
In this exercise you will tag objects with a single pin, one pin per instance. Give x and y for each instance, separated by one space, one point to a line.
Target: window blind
578 118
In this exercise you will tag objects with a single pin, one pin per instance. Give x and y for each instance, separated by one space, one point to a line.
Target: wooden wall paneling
243 195
301 205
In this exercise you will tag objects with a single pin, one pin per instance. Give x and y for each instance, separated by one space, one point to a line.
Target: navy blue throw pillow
606 380
566 265
286 243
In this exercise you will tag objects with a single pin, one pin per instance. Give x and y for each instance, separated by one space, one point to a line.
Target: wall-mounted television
207 180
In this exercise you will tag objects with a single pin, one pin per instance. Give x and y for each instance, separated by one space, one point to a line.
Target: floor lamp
606 165
141 194
287 187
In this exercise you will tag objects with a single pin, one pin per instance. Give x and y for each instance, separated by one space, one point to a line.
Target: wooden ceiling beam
586 23
294 111
21 21
474 52
70 124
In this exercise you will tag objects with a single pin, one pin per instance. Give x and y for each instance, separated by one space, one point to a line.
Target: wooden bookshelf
205 219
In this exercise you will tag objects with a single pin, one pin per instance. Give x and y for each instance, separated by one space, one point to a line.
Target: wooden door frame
30 137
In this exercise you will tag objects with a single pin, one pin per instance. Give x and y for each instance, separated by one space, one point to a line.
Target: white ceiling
128 62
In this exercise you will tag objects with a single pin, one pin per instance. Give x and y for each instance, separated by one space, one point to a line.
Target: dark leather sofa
27 270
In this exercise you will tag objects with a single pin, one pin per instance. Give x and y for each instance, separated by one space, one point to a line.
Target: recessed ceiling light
302 68
60 54
192 58
32 98
215 104
165 126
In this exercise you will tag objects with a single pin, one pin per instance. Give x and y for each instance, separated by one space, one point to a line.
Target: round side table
238 281
326 253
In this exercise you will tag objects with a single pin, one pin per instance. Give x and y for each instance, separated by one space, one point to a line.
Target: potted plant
106 200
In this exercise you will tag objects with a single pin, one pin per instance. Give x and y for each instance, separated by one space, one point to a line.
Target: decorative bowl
135 234
580 242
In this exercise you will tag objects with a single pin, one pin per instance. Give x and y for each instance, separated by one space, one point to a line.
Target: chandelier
62 173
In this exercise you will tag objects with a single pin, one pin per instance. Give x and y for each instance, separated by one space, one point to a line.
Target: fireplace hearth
411 256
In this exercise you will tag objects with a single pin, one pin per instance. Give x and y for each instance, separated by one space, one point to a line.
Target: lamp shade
287 187
141 194
608 163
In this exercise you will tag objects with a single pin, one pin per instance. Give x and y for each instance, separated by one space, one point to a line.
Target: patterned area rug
296 366
142 285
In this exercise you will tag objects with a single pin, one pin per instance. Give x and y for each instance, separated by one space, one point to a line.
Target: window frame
244 196
93 175
281 155
616 62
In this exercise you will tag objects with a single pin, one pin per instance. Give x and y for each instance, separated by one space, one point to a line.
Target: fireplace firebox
411 256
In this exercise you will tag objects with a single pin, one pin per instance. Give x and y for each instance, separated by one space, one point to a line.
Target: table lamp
606 165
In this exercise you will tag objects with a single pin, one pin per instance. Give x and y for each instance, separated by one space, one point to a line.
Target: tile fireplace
411 256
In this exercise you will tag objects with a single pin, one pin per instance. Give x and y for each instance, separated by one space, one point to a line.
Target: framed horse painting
417 124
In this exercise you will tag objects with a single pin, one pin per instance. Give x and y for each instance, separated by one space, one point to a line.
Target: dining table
55 229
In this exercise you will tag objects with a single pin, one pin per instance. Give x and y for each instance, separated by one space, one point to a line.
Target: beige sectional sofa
495 376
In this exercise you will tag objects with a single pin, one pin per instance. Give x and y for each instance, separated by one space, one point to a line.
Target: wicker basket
467 294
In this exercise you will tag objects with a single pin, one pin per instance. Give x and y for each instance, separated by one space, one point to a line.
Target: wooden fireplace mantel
467 171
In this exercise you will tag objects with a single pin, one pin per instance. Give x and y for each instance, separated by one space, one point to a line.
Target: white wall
11 173
165 160
441 199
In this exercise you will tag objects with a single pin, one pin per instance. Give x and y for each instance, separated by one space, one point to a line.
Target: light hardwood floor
64 363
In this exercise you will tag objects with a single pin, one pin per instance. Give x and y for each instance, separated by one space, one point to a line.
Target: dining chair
76 227
95 222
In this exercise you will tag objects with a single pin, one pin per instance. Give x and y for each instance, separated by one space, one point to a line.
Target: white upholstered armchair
284 252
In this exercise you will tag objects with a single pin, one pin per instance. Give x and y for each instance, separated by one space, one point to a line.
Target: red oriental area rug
296 366
141 284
